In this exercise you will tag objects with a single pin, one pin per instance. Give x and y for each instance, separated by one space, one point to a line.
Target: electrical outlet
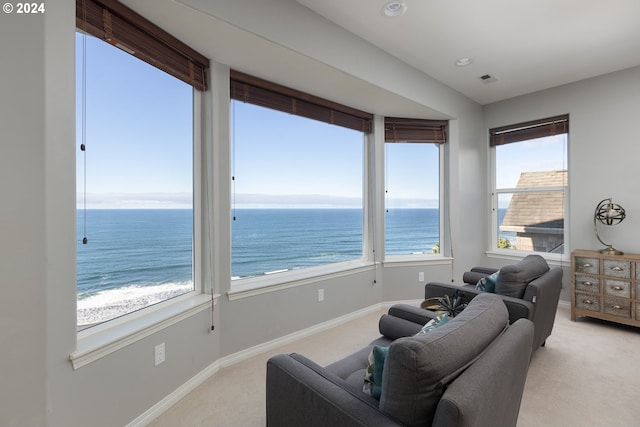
159 354
320 295
421 276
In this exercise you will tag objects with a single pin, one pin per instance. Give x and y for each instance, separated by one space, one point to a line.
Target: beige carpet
588 374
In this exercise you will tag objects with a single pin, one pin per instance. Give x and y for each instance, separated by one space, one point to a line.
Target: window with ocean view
134 183
412 215
298 181
529 161
412 185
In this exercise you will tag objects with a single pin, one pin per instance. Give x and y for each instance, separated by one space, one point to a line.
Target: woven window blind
529 130
398 129
120 26
260 92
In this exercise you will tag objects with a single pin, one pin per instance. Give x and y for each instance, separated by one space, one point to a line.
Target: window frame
420 131
253 90
107 337
110 336
557 125
442 214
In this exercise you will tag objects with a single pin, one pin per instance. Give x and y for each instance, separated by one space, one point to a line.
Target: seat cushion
417 369
513 279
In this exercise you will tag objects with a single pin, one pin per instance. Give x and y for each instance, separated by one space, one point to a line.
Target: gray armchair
470 372
538 302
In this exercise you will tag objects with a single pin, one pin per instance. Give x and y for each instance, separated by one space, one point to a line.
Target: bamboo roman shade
398 129
120 26
529 130
260 92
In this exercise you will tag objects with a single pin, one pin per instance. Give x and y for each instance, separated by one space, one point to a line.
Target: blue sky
139 131
139 142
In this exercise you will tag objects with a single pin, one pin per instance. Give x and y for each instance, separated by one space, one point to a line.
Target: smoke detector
394 8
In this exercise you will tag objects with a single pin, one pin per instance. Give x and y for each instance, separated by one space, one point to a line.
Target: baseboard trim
159 408
174 397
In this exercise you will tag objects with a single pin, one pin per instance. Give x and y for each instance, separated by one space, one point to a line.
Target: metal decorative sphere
610 213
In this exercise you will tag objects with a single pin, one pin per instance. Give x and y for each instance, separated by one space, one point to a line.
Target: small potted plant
452 305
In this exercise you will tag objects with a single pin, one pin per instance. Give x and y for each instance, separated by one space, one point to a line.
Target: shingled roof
537 211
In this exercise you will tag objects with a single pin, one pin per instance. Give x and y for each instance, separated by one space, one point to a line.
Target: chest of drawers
605 286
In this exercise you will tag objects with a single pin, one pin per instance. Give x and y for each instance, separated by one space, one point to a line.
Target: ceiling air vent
488 78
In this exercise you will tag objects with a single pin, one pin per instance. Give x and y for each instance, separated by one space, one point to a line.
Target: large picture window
298 181
134 178
412 187
530 185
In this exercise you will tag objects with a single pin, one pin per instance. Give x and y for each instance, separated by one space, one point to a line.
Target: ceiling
523 45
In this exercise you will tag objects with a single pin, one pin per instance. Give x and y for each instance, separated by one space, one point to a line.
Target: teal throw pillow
488 284
373 373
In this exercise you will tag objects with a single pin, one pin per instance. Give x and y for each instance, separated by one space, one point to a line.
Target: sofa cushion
418 369
513 279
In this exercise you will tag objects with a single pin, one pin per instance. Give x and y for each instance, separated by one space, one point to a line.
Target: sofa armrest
411 313
544 293
404 320
476 273
302 393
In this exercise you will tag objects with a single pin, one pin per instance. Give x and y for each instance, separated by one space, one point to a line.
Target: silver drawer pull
617 307
588 302
616 268
587 283
617 288
586 265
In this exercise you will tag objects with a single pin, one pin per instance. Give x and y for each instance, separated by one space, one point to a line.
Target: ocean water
265 241
135 258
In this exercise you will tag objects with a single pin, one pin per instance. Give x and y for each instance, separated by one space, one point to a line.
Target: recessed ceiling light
394 8
463 62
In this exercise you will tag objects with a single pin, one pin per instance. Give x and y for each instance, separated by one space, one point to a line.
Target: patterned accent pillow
375 366
488 284
373 373
434 323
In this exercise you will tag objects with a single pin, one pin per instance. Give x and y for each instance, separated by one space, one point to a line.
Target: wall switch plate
421 276
159 354
320 295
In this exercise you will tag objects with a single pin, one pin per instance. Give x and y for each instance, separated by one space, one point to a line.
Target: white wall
23 258
603 151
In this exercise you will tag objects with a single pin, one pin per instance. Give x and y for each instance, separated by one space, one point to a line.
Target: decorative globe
610 213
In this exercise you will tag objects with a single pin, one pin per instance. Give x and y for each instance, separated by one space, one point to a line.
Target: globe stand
608 213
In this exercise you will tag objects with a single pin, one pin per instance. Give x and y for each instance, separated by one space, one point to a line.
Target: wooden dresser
605 286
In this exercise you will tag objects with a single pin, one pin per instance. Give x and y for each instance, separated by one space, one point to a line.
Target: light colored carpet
588 374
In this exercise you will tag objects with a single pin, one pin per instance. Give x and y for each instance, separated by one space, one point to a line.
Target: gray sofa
536 297
468 372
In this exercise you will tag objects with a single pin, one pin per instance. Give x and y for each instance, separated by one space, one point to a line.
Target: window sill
511 255
243 288
101 340
411 260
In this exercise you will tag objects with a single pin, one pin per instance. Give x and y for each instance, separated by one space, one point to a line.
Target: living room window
298 180
412 185
530 182
135 163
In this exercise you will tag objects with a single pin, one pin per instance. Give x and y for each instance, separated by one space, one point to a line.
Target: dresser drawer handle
617 288
588 302
616 268
617 307
587 283
586 265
